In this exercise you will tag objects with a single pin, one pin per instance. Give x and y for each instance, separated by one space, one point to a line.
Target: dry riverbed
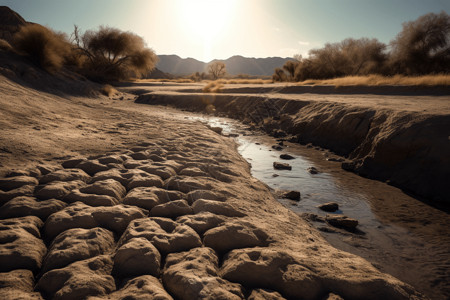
106 198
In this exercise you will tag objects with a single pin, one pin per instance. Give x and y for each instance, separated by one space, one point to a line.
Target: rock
281 166
292 195
58 189
277 147
20 244
278 133
162 171
12 183
65 175
166 235
234 234
79 215
91 167
172 209
341 221
115 174
14 173
137 257
286 156
187 184
141 155
90 199
271 269
313 170
45 169
335 159
79 280
26 190
216 207
193 275
204 194
110 159
28 206
202 221
22 280
148 180
108 187
71 163
262 294
332 296
330 206
77 244
142 197
18 294
139 288
216 129
193 171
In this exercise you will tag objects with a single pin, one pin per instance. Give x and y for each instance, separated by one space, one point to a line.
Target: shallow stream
397 233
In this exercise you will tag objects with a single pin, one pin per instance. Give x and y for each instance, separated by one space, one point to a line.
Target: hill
10 23
235 65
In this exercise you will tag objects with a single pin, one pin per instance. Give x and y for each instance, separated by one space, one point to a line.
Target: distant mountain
235 65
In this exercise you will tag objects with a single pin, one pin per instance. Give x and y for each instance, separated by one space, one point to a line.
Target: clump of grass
377 80
109 90
213 87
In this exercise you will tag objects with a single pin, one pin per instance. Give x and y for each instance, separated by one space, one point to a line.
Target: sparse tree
112 54
423 46
217 69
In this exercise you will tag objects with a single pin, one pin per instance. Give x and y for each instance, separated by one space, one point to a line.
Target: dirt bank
396 139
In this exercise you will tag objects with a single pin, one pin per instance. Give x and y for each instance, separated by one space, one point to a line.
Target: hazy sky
207 29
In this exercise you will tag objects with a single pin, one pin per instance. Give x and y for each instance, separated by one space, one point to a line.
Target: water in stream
397 233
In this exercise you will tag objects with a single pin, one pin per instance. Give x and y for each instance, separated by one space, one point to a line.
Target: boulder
12 183
139 288
193 171
116 174
110 159
91 167
271 269
109 187
204 194
79 215
193 275
330 206
79 280
137 257
148 180
202 221
263 294
342 221
166 235
65 175
187 184
26 190
71 163
20 244
172 209
292 195
313 170
58 189
281 166
77 244
90 199
215 207
234 234
18 284
164 172
28 206
286 156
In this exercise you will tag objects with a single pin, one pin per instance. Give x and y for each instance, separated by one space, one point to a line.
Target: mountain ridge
235 65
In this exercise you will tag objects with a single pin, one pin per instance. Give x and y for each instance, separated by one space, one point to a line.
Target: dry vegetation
376 80
213 87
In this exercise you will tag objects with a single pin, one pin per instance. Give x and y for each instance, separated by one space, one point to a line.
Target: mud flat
399 139
107 199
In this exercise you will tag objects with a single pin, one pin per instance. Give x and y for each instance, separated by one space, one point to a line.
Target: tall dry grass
176 80
213 87
377 80
244 81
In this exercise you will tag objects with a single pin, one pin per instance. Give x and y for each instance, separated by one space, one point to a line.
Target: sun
206 19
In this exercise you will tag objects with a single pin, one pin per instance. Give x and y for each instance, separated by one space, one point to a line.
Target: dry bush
109 90
423 46
45 47
279 75
377 80
213 87
217 69
5 46
111 54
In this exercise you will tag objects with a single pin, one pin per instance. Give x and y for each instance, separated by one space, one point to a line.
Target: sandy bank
399 139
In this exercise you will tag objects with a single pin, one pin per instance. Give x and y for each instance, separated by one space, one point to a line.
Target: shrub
111 54
45 47
217 69
423 46
213 87
109 90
